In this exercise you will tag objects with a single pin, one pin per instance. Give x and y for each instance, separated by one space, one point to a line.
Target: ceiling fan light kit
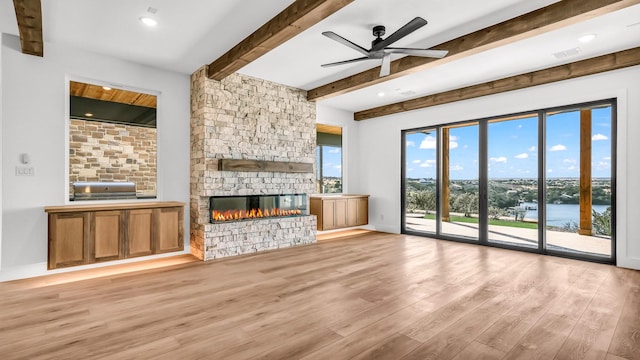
380 49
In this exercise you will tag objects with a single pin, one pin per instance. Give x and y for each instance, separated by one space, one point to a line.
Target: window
540 181
112 139
328 159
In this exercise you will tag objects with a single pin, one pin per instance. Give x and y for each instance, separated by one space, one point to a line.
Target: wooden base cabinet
85 234
140 232
340 211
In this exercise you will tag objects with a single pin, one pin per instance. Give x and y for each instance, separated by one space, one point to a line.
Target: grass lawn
462 219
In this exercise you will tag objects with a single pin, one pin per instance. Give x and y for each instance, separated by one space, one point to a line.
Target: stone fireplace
269 126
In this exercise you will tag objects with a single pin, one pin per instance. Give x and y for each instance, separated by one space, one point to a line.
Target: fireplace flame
230 215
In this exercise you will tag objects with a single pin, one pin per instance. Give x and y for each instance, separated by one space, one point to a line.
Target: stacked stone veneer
242 117
101 151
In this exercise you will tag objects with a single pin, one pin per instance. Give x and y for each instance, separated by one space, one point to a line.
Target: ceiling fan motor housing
378 32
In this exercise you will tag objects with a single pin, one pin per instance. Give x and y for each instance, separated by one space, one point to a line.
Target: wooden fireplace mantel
262 165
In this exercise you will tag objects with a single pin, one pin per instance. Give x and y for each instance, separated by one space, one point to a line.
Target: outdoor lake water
560 214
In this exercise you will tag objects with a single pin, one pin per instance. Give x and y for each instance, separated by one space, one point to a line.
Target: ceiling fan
379 46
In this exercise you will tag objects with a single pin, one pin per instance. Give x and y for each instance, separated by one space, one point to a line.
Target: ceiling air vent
567 53
407 93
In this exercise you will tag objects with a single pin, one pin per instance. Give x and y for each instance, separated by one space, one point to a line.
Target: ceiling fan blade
343 41
438 54
407 29
385 69
345 62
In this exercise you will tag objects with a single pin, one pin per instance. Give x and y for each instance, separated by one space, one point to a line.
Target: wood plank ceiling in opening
329 129
115 95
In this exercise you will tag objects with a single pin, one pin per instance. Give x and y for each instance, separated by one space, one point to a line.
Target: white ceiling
191 33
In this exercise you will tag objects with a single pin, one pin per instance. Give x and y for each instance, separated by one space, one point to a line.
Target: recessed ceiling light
586 38
106 88
381 94
88 114
148 21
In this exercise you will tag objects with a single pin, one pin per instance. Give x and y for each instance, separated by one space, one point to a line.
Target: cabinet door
352 212
341 213
169 229
68 239
363 211
107 233
140 233
328 214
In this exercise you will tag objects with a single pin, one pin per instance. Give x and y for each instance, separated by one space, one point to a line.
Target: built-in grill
103 190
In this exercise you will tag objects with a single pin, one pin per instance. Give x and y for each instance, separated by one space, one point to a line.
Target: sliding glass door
512 169
540 181
578 204
460 181
420 180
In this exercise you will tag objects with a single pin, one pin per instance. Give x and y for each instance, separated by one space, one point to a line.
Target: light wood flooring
367 296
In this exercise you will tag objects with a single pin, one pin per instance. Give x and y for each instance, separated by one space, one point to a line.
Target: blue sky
332 161
513 151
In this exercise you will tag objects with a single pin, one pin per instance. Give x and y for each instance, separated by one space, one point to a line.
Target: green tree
466 203
602 222
423 200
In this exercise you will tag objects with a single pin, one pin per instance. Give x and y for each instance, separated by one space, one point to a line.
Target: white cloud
453 142
569 161
532 149
598 137
571 168
607 158
411 144
549 170
558 147
327 164
428 163
522 156
520 126
416 161
338 167
429 142
500 159
334 151
456 168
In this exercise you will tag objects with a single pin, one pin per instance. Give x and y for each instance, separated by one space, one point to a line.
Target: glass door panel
512 148
420 181
460 181
578 181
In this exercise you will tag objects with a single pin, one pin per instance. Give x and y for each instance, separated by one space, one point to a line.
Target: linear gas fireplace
250 207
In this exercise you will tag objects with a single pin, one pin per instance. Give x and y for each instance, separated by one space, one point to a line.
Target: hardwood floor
367 296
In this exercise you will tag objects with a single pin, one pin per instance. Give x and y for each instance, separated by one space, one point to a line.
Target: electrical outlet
25 171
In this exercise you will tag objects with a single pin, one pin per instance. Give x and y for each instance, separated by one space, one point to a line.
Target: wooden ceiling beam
293 20
549 18
29 16
572 70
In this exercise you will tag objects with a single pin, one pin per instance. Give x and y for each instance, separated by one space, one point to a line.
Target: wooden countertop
114 206
336 196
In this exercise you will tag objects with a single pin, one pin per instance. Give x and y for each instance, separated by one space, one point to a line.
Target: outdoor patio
557 240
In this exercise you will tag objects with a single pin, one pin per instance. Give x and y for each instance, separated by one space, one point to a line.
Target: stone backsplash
100 151
242 117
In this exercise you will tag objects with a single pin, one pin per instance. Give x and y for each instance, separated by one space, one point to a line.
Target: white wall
378 155
34 95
